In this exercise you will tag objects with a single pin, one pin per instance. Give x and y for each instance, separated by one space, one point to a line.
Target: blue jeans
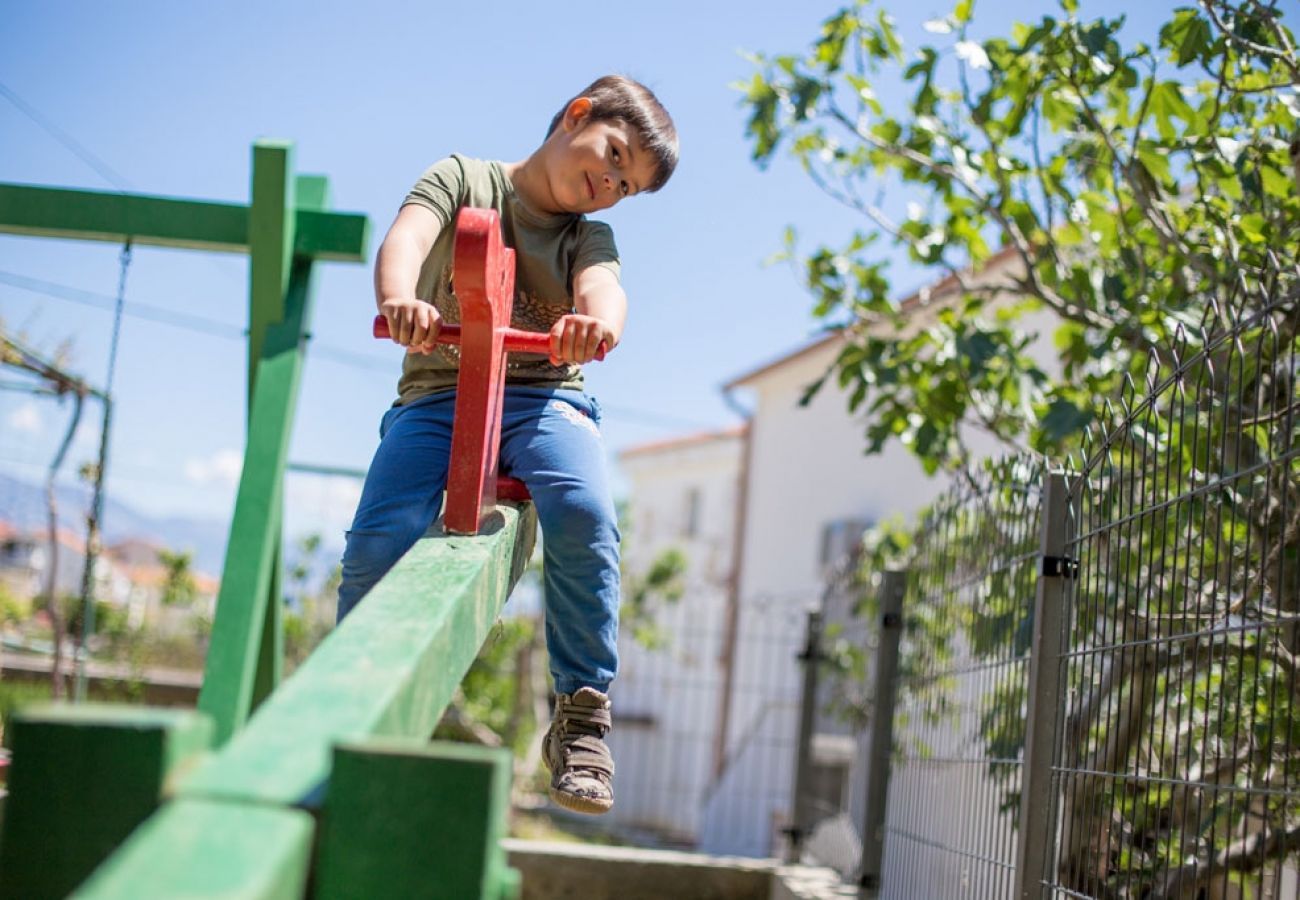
550 441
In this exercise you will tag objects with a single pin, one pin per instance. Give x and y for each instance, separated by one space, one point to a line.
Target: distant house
137 565
127 574
25 562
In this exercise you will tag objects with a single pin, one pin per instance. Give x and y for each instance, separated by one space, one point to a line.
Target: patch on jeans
574 416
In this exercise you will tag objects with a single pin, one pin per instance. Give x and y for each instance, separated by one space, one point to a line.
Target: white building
806 493
667 696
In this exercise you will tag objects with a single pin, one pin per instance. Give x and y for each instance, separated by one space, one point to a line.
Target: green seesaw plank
83 778
406 819
195 849
391 668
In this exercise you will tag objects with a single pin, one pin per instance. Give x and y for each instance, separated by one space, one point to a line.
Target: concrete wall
553 871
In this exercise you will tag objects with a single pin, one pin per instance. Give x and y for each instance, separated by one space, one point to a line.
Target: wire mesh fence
958 724
1178 764
1097 687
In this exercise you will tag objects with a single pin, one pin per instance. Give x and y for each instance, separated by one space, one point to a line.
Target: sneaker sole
586 805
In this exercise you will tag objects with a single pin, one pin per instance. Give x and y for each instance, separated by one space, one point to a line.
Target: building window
691 527
841 538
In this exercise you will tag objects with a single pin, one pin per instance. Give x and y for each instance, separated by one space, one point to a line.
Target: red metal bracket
484 274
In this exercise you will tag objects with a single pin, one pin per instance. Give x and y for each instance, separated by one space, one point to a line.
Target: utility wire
361 361
105 171
136 310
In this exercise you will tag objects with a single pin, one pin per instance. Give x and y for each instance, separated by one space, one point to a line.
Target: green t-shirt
549 251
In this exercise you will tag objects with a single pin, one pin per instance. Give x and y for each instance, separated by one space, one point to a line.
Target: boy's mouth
591 189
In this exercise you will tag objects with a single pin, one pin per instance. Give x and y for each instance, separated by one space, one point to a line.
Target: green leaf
1255 228
1063 420
1156 160
1187 36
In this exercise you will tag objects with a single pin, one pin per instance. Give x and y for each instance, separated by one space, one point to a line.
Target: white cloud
26 418
320 504
222 467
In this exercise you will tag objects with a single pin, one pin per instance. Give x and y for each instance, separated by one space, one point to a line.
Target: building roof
911 304
676 443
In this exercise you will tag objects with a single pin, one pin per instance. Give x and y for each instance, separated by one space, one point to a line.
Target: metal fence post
1037 831
802 819
885 692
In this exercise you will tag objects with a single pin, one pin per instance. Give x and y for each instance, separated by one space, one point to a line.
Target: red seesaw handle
516 341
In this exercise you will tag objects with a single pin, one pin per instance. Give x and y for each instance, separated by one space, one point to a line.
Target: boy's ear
576 115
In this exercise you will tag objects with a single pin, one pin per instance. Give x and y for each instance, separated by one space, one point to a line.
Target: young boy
613 140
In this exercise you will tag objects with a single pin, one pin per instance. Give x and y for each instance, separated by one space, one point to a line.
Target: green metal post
83 778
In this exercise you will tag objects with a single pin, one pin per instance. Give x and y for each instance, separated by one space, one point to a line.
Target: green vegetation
1137 197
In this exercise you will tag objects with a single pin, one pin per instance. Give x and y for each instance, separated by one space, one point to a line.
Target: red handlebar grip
516 341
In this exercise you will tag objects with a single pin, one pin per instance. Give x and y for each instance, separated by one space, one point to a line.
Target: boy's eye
624 188
614 150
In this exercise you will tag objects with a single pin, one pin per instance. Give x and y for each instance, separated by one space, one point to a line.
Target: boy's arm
601 312
412 322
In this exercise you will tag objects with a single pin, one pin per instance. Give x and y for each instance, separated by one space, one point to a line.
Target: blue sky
168 97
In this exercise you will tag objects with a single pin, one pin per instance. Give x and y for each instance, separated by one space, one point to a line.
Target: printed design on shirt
530 313
575 416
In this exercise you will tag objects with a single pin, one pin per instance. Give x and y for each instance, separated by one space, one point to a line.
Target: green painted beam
235 649
83 778
271 229
408 819
204 850
390 668
38 211
270 651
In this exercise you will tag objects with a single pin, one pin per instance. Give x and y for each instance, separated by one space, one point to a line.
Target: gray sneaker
582 769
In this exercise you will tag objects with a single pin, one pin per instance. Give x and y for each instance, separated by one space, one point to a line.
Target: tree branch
1261 50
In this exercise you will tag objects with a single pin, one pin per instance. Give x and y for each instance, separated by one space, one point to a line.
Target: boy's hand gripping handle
516 341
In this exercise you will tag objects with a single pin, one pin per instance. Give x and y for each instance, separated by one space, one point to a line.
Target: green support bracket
406 819
232 825
237 652
83 778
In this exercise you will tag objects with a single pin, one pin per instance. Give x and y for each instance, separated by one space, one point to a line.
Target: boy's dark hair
617 97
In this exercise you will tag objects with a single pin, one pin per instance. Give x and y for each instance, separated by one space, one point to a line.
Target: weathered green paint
83 778
407 819
390 668
199 849
234 652
37 211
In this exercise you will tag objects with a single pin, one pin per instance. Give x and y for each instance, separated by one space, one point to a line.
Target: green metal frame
223 802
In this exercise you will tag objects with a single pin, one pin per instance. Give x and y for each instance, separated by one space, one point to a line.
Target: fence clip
1060 566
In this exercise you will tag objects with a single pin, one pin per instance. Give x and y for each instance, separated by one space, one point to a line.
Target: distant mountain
22 504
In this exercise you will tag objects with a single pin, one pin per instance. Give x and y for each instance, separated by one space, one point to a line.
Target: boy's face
596 164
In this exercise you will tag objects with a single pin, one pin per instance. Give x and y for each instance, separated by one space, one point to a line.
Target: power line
642 417
105 171
133 309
